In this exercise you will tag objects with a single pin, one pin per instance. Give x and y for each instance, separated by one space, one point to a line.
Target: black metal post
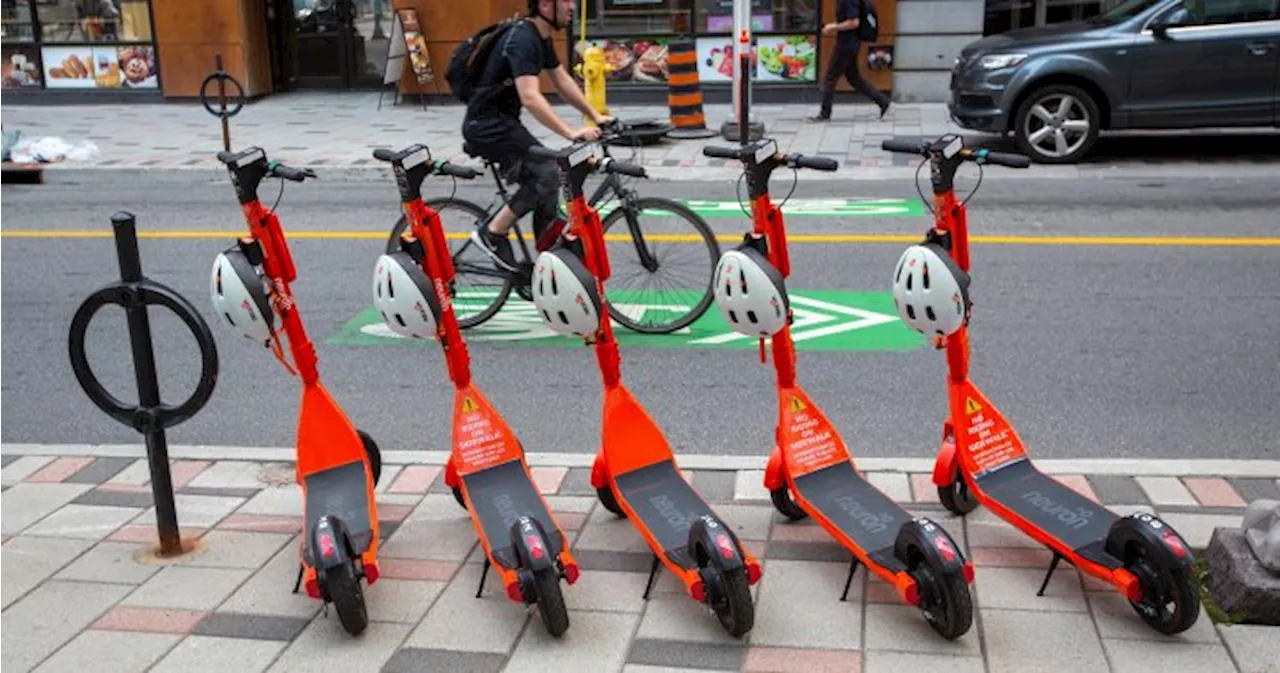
222 101
144 366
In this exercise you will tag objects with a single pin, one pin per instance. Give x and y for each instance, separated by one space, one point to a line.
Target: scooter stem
952 218
425 226
768 223
275 261
607 354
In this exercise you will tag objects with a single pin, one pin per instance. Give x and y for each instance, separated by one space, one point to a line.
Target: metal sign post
739 127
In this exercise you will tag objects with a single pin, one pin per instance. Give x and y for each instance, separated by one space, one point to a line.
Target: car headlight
998 61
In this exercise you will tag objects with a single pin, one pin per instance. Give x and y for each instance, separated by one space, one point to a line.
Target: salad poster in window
787 58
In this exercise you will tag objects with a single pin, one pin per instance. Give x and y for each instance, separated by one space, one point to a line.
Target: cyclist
492 128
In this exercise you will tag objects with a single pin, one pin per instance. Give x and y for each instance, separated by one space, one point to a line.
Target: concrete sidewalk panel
49 616
1143 656
238 549
28 561
24 504
895 662
324 646
1117 620
1021 640
110 652
111 562
596 641
903 628
188 588
1015 589
799 606
211 654
1256 648
86 522
460 621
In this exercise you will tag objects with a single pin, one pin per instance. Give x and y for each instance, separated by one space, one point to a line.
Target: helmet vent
728 288
911 312
925 275
400 320
733 315
742 279
229 319
751 315
928 310
546 316
555 286
219 281
391 288
897 275
564 319
910 276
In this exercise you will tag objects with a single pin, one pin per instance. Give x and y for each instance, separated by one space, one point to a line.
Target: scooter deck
340 491
499 496
868 517
666 505
1074 520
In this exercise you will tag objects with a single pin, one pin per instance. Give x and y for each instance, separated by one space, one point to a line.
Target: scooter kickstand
853 568
298 584
483 574
1053 565
653 574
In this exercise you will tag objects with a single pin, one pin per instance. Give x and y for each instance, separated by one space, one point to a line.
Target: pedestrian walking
844 60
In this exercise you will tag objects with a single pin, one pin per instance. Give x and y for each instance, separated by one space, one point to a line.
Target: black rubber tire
480 214
950 608
713 249
956 497
738 614
375 456
1091 137
343 587
785 505
457 495
1179 587
555 616
609 501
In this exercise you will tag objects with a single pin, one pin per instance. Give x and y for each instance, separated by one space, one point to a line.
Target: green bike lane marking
825 320
799 207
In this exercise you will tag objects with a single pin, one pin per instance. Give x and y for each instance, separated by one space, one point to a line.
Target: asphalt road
1090 350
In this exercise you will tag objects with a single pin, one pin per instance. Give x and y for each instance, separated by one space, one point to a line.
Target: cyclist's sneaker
496 246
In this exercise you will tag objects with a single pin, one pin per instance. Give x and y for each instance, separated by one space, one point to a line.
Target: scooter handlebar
1009 159
721 152
816 163
464 172
294 174
905 146
383 154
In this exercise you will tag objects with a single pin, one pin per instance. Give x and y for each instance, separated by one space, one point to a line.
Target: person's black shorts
507 143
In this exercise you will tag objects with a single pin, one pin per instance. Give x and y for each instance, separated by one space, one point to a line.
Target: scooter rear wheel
956 497
944 600
609 500
1170 598
785 505
343 586
729 596
555 616
375 455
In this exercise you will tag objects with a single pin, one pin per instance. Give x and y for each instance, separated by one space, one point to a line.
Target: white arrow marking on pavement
803 318
806 319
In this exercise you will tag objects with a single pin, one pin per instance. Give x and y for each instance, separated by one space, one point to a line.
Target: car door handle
1259 48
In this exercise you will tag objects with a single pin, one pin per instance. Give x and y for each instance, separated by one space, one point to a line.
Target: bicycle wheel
671 284
479 288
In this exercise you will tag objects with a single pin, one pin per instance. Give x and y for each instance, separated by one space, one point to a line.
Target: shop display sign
416 44
641 59
99 67
21 68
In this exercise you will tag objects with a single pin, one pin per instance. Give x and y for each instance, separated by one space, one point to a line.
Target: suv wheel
1057 124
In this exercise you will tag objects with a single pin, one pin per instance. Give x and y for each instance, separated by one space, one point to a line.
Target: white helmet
750 293
564 291
240 295
930 291
404 296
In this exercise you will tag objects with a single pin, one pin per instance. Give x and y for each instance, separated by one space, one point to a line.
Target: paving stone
1015 589
1255 648
208 654
1117 489
644 668
49 616
110 651
201 511
903 628
242 493
6 459
25 466
437 529
111 562
577 482
1077 483
1196 529
570 504
151 620
1256 489
110 497
460 621
606 531
415 660
749 522
250 626
604 591
58 470
100 470
896 485
412 569
388 477
703 656
136 473
404 601
749 485
799 606
923 489
324 646
268 591
28 561
798 531
674 616
783 660
829 551
594 641
24 504
238 549
996 534
262 523
414 479
1213 492
890 662
86 522
629 562
1019 640
229 474
183 472
188 588
1117 620
715 486
1015 557
1143 656
1166 491
548 479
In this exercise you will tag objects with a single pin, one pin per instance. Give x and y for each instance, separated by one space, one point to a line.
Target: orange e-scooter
983 461
486 468
810 472
635 474
338 465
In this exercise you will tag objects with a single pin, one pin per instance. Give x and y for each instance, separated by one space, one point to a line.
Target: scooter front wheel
555 616
944 600
785 505
375 455
343 587
956 497
609 500
729 596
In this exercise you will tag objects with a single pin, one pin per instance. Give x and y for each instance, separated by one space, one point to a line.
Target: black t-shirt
845 10
522 51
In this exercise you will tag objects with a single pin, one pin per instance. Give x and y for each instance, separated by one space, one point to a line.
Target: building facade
147 50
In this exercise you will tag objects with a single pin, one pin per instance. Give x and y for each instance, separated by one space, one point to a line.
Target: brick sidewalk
77 597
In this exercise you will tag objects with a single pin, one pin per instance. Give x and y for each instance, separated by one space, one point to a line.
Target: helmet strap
943 239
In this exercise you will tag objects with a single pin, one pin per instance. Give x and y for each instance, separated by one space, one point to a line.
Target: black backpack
868 22
471 57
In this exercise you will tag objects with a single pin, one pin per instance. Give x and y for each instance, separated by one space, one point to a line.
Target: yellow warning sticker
971 407
797 406
469 404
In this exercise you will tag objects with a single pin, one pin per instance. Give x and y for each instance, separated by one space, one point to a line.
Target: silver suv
1143 64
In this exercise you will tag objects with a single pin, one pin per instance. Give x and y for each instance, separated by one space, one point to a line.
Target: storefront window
1006 15
637 17
767 16
78 44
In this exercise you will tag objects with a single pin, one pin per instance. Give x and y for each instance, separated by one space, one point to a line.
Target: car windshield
1124 11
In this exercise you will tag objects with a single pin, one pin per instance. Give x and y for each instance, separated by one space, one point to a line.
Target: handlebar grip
817 163
383 154
902 145
625 169
226 157
463 172
1010 159
294 174
721 152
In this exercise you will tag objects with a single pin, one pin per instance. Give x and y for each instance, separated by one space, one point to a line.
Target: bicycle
631 308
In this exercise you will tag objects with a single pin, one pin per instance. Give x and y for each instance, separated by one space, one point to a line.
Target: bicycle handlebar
979 155
545 152
615 166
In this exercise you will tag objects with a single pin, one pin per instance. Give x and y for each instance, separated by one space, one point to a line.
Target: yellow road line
1175 241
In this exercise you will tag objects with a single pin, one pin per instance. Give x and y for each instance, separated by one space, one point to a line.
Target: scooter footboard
339 492
500 496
